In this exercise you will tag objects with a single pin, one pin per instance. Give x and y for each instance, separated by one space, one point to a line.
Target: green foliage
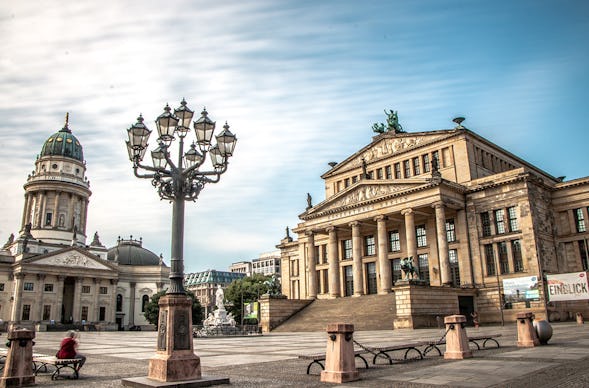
152 309
250 287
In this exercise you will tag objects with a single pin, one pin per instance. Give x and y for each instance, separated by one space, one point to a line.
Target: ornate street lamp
178 181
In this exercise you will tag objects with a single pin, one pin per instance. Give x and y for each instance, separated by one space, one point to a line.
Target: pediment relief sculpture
72 259
366 193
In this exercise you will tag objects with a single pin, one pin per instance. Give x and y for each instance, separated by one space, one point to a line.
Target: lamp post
178 182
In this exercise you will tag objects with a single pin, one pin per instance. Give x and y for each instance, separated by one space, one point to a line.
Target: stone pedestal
579 318
174 361
456 338
340 365
526 333
18 370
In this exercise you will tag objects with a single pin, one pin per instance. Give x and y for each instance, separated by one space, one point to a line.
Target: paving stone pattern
271 360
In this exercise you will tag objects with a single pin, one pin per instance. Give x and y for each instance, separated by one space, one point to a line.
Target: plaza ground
271 360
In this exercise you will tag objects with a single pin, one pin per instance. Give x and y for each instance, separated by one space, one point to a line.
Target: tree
152 309
245 290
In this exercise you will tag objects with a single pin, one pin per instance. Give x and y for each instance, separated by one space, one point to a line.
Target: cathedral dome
63 143
130 252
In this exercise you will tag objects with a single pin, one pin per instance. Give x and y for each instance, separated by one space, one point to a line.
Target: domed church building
49 275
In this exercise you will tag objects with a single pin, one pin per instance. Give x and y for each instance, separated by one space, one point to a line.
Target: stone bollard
579 317
340 365
456 338
526 333
18 369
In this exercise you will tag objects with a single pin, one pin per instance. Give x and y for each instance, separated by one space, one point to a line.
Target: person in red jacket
68 348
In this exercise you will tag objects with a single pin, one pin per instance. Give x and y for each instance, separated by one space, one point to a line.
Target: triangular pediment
367 191
388 145
71 258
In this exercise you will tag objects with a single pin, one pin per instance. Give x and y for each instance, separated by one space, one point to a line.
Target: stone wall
276 309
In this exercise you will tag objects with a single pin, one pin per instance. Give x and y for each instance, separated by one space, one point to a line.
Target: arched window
119 302
144 302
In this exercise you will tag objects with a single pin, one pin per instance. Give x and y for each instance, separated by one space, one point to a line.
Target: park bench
41 362
319 358
409 348
475 339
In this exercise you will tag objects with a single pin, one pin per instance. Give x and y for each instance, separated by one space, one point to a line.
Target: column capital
309 232
19 275
330 229
407 211
438 204
354 224
381 218
40 276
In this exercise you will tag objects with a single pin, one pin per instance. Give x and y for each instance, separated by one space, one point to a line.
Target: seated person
68 348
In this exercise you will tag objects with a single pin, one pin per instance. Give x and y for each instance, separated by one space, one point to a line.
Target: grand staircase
367 312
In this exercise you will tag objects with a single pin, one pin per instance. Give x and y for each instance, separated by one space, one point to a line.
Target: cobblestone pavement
271 360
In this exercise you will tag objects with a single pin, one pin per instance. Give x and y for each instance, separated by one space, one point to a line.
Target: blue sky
299 82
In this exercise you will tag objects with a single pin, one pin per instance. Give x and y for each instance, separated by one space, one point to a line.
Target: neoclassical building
473 217
48 274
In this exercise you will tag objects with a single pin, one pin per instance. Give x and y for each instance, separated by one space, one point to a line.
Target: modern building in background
483 228
204 285
244 267
49 275
267 264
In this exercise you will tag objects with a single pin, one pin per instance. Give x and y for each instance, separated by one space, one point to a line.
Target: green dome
63 143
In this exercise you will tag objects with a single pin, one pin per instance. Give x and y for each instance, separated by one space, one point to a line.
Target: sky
299 82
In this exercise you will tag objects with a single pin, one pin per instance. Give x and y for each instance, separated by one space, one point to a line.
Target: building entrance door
69 284
466 307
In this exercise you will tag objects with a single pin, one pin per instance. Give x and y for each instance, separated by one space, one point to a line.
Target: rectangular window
397 170
397 274
490 259
579 220
85 289
102 313
48 218
416 169
48 287
436 159
388 172
104 290
29 286
512 217
26 312
347 248
379 173
1 286
423 264
325 281
486 224
324 251
349 280
347 182
394 241
518 262
317 256
369 246
371 278
426 164
46 312
499 221
84 316
584 257
407 168
354 179
421 237
454 267
370 175
450 230
503 259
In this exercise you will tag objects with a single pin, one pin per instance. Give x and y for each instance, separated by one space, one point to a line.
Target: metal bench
320 357
41 363
485 338
383 351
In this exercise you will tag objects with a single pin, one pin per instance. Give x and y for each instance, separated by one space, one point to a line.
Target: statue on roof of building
392 124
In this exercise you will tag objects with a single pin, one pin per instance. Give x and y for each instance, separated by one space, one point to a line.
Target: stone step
367 312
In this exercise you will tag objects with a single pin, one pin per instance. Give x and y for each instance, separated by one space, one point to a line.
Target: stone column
386 280
442 240
26 211
340 365
40 293
56 314
113 310
83 216
17 304
70 213
357 259
132 303
464 262
334 282
77 299
96 307
55 210
410 236
312 293
41 215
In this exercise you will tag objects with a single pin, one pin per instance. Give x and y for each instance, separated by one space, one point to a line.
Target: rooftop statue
392 124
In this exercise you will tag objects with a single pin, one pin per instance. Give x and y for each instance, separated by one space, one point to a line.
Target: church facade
49 275
448 221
